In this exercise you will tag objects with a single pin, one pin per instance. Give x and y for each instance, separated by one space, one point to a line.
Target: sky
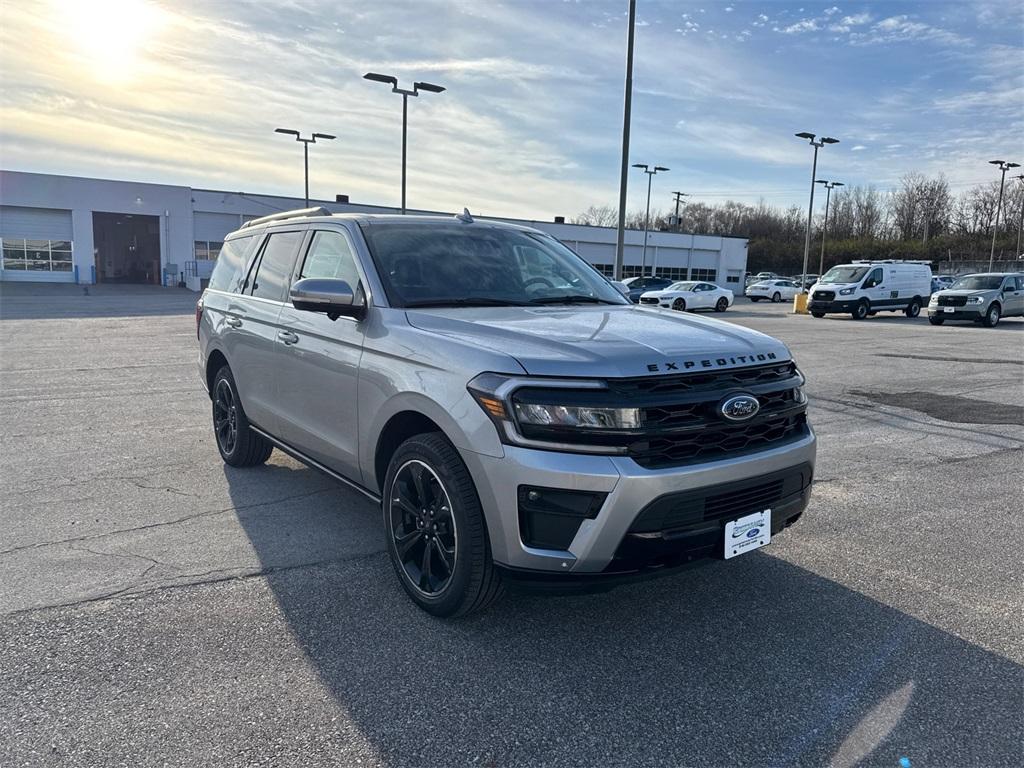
530 125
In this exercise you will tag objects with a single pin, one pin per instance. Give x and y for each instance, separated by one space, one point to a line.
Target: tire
914 309
861 310
722 305
450 508
679 305
936 320
817 314
755 299
776 297
992 316
238 445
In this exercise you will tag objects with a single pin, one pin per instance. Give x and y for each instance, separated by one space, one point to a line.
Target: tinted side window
329 255
874 278
230 268
271 281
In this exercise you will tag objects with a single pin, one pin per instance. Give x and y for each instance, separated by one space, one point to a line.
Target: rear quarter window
230 267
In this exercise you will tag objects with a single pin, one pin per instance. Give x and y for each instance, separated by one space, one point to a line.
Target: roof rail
297 214
890 261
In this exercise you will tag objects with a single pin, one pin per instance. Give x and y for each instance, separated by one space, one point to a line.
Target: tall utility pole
651 173
305 150
1004 167
810 206
620 238
928 205
679 196
829 186
406 93
1020 227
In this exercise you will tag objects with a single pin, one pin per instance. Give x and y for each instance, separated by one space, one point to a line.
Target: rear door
318 372
253 314
1013 301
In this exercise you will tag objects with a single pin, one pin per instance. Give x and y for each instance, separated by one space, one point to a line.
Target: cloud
901 29
858 148
804 25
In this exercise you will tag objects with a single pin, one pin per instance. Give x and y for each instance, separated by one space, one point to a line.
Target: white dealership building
69 229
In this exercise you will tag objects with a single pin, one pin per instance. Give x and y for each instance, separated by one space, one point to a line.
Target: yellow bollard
800 304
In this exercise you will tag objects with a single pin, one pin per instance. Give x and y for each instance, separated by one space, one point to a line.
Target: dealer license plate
748 533
949 309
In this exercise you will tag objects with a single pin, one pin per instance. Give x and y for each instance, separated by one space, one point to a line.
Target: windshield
844 274
978 283
681 286
431 264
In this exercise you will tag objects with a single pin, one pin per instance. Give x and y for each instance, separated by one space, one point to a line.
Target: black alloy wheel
722 305
423 528
679 305
225 416
776 297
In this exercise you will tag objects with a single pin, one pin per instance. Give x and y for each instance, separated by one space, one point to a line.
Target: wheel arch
214 362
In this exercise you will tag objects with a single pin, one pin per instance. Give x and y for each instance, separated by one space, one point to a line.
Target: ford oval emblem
753 532
739 407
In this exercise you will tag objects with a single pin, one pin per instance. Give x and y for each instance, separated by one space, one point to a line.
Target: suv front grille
824 296
952 301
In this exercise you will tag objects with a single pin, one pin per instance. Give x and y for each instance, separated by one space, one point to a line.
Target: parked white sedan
773 290
690 294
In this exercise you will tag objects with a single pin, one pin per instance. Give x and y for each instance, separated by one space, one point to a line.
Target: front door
877 289
318 372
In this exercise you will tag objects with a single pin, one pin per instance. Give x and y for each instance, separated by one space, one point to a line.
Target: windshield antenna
465 217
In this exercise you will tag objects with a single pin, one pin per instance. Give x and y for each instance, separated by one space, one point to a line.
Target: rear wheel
817 314
435 529
936 320
914 309
992 316
679 305
239 446
861 310
722 305
776 297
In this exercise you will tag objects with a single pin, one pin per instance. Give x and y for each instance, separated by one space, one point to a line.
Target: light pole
651 173
1004 167
679 196
1020 227
406 93
620 235
810 206
305 150
829 186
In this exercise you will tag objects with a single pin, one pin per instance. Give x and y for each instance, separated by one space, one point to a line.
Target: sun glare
111 35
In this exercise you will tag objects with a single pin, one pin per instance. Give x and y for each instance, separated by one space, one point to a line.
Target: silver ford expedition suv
514 415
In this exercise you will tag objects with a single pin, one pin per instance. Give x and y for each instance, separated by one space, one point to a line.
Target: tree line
920 219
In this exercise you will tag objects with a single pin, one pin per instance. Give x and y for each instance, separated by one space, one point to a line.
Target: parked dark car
640 285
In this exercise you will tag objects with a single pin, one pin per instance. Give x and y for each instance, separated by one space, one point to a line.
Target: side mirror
326 294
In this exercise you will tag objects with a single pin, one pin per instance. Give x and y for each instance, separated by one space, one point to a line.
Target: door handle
287 337
234 322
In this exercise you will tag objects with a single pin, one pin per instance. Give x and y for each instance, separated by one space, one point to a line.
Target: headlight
846 291
581 417
975 299
934 299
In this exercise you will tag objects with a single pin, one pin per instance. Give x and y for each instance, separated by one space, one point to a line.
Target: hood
603 341
661 292
833 286
966 292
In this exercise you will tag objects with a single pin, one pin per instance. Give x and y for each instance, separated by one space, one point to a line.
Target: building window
703 274
207 250
732 279
36 255
672 273
605 269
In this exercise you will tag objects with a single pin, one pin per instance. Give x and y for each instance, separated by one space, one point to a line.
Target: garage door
36 244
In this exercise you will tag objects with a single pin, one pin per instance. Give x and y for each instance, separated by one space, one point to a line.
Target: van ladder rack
283 215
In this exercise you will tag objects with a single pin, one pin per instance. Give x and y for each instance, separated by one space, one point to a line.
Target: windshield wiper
469 301
575 298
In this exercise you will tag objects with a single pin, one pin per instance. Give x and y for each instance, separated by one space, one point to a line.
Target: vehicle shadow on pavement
755 662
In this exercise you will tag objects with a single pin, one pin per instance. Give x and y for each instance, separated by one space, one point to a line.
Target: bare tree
598 216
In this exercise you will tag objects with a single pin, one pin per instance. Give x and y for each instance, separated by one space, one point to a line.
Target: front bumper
958 313
604 545
837 305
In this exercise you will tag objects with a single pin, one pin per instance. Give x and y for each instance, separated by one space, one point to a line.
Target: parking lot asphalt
159 608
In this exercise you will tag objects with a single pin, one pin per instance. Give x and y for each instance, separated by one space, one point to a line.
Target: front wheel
776 297
992 316
755 298
914 309
817 314
239 446
936 320
679 305
722 305
861 310
435 529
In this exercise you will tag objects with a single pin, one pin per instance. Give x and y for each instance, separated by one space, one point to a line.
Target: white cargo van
866 287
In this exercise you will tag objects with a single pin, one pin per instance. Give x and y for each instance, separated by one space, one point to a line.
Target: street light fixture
1004 167
406 93
305 150
651 173
814 172
1020 227
829 186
